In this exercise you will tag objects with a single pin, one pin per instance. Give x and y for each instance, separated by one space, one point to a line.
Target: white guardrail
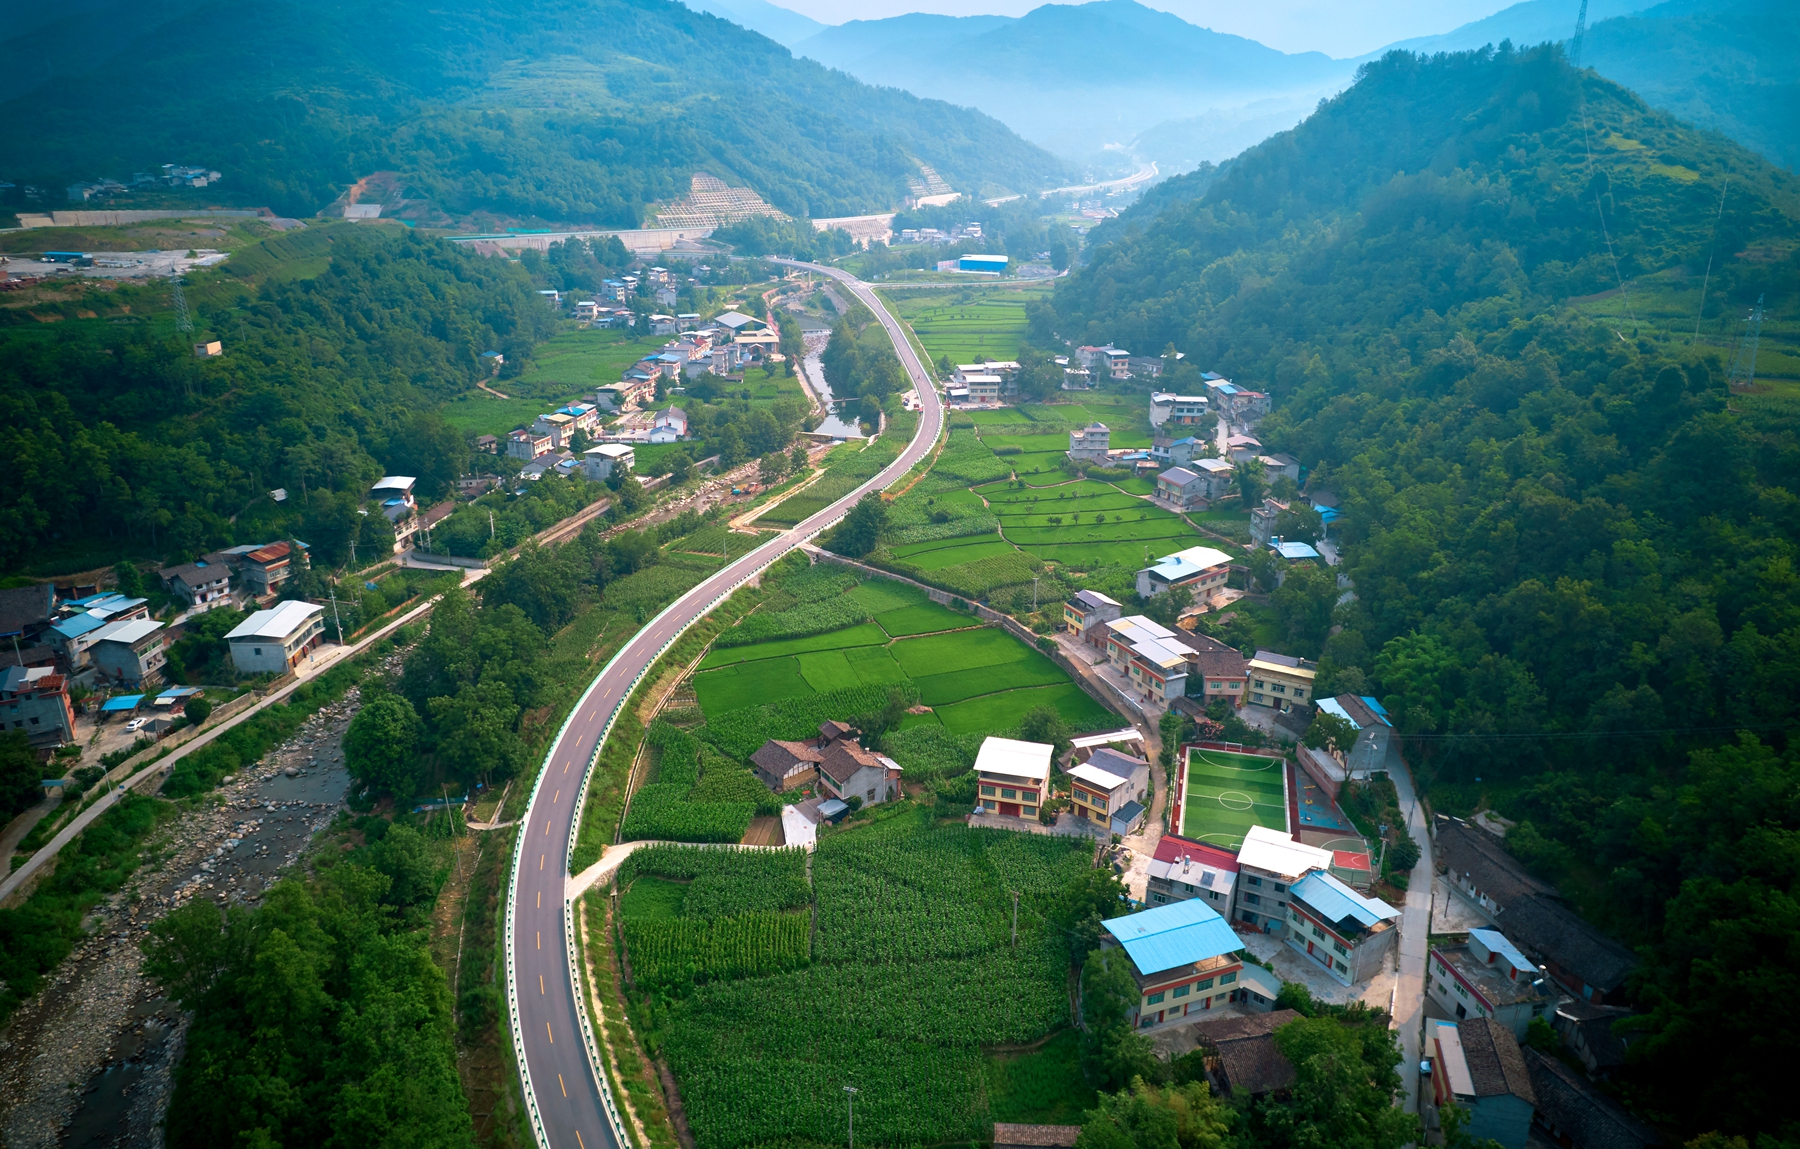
776 549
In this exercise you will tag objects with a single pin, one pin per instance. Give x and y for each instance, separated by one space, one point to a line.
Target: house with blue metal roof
1183 956
1348 934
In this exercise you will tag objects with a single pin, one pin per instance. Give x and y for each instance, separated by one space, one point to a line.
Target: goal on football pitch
1227 793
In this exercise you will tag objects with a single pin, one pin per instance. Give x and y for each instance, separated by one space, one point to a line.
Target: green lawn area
1003 711
878 595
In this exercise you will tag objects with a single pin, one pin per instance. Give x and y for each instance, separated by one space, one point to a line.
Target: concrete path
22 825
1415 931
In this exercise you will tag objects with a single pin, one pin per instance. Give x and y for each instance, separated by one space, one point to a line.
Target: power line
1604 733
1711 250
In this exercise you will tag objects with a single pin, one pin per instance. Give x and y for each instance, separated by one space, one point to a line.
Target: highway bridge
567 1101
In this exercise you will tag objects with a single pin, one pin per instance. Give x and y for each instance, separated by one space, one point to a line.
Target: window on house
1460 990
1318 933
987 791
1227 978
1342 968
1207 984
1006 793
1278 688
1182 990
1339 947
1255 881
1258 683
1280 889
1253 899
1154 999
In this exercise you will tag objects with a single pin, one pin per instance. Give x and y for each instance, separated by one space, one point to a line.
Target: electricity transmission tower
183 321
1580 35
1743 366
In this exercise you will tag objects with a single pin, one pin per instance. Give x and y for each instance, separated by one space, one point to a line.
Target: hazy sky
1336 27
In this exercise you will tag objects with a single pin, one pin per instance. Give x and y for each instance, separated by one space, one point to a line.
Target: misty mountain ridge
1077 78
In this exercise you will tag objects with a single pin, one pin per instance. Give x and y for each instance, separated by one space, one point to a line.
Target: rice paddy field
975 679
1015 509
975 319
1226 794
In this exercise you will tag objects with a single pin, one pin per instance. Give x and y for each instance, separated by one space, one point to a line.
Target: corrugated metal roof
1177 934
127 632
280 622
1339 902
1094 776
78 625
1499 943
123 702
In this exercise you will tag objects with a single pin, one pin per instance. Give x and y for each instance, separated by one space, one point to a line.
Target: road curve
566 1100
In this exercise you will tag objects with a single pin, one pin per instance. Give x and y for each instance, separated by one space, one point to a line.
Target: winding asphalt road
569 1106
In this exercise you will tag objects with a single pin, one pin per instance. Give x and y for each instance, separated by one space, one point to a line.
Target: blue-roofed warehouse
1348 934
1183 956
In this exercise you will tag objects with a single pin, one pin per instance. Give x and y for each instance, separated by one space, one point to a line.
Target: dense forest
1573 562
120 441
554 112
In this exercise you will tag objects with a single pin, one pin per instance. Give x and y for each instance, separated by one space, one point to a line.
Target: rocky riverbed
89 1062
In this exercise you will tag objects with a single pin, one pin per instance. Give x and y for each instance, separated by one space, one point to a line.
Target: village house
1170 452
1487 976
1477 1066
1279 466
34 701
1262 520
1370 719
1218 667
1012 776
600 462
1588 1031
787 765
274 641
265 569
130 654
1348 934
1575 954
201 583
1242 448
1572 1113
1280 680
1202 570
71 637
26 613
1269 863
528 445
1087 608
1183 869
1090 444
1166 407
1109 790
857 776
487 444
1012 1136
670 425
1183 957
1242 1056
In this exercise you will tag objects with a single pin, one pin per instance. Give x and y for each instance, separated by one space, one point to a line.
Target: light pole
850 1100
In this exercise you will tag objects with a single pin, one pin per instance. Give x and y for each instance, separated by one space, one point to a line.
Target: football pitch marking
1270 764
1230 799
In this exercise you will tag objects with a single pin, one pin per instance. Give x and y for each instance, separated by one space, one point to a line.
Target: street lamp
850 1100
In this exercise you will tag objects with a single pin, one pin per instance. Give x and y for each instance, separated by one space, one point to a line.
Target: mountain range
544 113
1114 77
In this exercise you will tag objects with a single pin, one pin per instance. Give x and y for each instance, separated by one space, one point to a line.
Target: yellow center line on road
565 1088
540 985
540 939
552 1035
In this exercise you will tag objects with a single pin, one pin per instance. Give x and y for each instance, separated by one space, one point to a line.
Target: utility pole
334 615
490 526
850 1092
1015 944
353 552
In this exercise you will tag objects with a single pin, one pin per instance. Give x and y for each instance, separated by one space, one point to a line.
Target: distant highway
1142 175
568 1105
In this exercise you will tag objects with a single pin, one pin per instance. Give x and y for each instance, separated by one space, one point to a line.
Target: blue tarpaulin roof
123 702
1177 934
179 692
78 625
1339 903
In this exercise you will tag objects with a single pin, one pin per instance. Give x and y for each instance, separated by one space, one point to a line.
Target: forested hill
1573 561
340 343
545 111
